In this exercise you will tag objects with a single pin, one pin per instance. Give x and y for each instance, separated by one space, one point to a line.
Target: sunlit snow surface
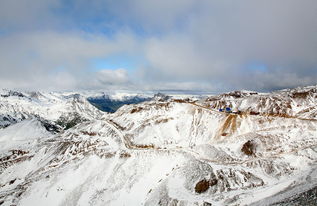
156 152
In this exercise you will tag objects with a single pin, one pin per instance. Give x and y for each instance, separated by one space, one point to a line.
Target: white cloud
185 43
48 59
153 14
118 76
226 36
22 14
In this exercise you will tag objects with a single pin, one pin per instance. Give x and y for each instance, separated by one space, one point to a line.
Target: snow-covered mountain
299 102
51 107
164 152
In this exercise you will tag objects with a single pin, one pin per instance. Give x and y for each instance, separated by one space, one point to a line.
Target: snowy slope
16 106
300 102
24 133
174 152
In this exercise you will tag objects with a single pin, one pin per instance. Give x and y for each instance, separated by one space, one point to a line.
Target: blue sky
257 66
129 62
158 45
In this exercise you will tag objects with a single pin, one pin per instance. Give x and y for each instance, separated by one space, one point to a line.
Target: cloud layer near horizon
180 44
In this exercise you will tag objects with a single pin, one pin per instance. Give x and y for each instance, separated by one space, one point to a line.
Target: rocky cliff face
168 152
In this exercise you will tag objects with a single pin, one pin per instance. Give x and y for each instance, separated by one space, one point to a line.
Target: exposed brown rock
137 109
125 155
12 181
254 113
179 100
249 148
300 95
213 182
163 120
89 133
202 186
19 152
145 146
117 125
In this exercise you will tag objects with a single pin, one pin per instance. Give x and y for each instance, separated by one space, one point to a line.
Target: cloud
107 79
27 14
190 44
37 58
153 14
226 36
112 76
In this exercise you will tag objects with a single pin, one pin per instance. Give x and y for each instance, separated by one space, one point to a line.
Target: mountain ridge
175 151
